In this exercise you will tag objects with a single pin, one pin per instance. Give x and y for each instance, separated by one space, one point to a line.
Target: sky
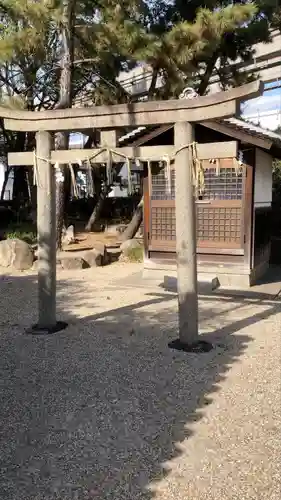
266 109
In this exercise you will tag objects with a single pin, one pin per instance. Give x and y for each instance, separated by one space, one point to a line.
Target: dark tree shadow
96 411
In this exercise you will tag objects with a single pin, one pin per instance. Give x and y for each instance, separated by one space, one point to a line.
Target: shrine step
167 279
205 283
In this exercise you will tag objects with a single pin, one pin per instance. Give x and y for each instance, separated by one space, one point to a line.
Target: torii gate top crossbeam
220 105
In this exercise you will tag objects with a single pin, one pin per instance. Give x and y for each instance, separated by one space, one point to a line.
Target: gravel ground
104 410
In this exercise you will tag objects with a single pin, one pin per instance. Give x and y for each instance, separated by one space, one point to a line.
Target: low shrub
25 232
135 254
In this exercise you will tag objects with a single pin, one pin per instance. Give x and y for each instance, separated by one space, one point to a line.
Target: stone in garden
129 245
68 236
72 263
17 254
94 258
101 248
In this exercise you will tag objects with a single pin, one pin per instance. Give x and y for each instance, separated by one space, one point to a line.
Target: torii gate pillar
186 238
46 228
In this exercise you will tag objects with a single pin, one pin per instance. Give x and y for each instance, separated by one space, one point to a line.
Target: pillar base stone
39 330
200 346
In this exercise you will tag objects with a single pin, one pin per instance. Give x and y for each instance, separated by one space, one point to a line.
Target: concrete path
104 410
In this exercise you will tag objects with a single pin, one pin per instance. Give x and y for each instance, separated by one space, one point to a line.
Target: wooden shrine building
233 209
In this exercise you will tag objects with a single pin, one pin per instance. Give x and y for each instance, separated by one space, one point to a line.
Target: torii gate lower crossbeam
182 113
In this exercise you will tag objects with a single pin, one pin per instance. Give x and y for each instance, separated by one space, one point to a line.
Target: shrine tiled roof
252 129
230 125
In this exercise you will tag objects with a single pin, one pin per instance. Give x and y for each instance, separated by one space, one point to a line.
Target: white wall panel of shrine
263 179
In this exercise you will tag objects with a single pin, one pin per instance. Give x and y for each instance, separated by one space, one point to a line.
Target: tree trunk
134 224
65 101
20 188
205 80
98 208
5 182
153 83
61 143
100 203
67 194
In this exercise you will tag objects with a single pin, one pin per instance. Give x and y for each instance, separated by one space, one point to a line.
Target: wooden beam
220 105
240 135
218 150
205 152
73 155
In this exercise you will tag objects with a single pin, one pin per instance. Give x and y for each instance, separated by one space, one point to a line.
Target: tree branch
153 82
84 61
205 80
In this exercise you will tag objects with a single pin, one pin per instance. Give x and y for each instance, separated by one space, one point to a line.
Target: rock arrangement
131 251
83 259
127 246
68 236
16 254
19 255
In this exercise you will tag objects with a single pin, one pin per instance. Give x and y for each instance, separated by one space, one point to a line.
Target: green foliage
182 40
56 53
276 178
135 254
25 232
191 46
197 38
272 10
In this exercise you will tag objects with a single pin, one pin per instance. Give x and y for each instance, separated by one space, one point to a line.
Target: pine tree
271 10
51 51
190 42
194 40
57 52
66 51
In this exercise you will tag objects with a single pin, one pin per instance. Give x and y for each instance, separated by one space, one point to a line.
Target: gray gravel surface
104 410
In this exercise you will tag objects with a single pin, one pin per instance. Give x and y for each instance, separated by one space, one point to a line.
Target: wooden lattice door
220 217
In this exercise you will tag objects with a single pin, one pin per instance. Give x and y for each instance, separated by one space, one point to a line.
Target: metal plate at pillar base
198 347
38 330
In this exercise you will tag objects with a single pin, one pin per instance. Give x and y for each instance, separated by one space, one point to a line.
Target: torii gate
107 118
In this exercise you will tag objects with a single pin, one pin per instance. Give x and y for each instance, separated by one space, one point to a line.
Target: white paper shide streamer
58 174
167 169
